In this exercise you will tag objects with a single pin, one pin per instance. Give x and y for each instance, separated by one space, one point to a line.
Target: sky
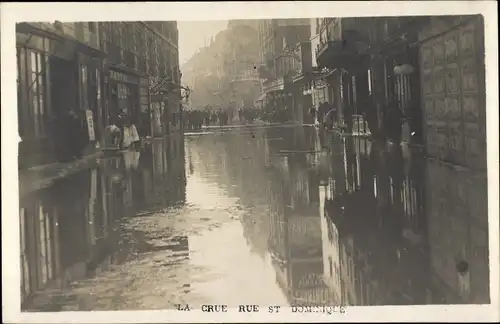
194 34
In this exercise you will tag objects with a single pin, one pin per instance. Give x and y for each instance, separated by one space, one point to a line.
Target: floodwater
264 215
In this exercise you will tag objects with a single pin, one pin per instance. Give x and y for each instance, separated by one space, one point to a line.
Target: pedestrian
393 122
206 115
312 113
113 135
321 112
214 118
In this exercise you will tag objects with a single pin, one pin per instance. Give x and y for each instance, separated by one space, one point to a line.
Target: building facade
204 74
279 41
241 62
93 70
144 75
45 94
224 74
377 62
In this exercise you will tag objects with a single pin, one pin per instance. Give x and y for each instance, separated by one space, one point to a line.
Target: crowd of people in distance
195 119
248 114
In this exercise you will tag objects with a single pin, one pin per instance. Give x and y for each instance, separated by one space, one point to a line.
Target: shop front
33 98
60 95
124 95
279 99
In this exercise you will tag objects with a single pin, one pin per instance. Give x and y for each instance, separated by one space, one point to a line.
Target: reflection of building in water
163 171
331 249
67 229
295 235
373 234
458 231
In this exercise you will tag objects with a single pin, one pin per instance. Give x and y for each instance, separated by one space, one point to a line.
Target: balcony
338 54
251 75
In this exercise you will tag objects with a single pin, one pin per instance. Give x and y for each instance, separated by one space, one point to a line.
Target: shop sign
122 77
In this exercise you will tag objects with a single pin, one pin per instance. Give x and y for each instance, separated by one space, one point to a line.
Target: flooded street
256 215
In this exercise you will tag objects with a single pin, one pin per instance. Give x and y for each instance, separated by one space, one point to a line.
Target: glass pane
34 93
35 102
39 62
33 61
22 68
41 94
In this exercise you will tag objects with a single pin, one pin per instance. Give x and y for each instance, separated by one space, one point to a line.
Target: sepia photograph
292 165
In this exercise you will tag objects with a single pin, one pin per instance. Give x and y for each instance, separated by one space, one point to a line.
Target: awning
88 50
261 97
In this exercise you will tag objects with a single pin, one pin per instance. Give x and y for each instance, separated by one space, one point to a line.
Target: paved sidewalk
39 177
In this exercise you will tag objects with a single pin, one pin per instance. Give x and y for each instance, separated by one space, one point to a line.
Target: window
25 278
85 87
132 39
20 76
369 81
32 95
92 27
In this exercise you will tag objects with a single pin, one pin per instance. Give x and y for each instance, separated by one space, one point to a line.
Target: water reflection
395 226
69 231
264 215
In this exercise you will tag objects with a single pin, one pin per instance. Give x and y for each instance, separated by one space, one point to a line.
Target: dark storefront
46 96
124 95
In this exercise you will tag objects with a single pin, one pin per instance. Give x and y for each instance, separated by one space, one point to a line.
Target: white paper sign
90 124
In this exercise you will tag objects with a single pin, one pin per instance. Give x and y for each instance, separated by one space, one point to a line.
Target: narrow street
255 164
253 215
